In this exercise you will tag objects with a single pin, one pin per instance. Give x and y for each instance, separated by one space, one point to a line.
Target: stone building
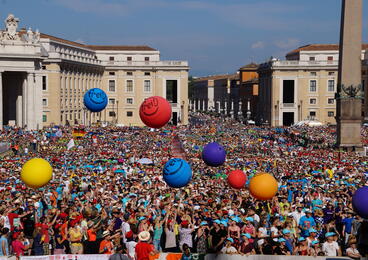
301 87
43 79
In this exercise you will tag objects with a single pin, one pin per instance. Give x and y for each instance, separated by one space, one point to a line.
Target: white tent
308 123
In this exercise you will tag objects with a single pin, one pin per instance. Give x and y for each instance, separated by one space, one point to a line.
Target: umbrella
145 161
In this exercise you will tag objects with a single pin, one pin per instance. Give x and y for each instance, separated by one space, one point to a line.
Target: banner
176 256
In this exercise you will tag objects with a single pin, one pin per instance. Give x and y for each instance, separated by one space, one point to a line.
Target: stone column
24 102
30 101
349 108
38 108
1 101
19 108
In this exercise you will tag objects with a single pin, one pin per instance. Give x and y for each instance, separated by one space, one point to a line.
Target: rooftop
320 47
217 77
99 47
249 66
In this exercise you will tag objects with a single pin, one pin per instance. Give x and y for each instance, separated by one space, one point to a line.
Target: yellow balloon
36 173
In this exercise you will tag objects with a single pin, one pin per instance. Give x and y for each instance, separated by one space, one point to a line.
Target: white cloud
287 43
258 45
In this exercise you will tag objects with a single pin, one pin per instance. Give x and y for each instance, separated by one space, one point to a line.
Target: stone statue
29 36
37 36
350 91
11 24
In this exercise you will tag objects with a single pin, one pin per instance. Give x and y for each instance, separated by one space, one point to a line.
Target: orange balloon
263 186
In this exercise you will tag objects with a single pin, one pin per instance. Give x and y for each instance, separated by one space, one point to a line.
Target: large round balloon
177 173
36 173
95 100
213 154
155 112
237 179
360 202
263 186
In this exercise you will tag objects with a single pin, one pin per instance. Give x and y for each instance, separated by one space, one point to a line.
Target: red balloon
237 179
155 112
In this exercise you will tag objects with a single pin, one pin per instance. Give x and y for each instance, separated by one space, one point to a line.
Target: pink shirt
18 247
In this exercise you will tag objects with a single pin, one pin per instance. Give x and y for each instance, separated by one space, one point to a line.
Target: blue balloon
95 100
213 154
177 173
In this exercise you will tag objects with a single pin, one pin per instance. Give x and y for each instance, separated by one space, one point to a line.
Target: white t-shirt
330 249
274 231
125 227
229 250
131 248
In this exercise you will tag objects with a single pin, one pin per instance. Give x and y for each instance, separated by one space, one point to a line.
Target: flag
71 144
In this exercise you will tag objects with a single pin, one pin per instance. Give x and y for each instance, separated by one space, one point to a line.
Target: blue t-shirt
6 246
306 223
348 223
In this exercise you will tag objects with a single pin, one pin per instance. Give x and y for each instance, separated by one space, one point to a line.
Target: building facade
248 90
218 93
43 79
301 87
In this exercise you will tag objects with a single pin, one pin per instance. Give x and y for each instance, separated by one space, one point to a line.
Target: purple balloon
213 154
360 202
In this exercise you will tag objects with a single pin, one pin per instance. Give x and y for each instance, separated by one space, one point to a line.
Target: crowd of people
107 194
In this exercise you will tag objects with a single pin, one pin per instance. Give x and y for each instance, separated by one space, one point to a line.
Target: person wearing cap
289 241
331 247
217 237
202 238
144 249
234 231
298 213
315 248
307 222
130 244
75 238
302 249
246 247
281 248
312 236
228 248
185 234
106 246
249 227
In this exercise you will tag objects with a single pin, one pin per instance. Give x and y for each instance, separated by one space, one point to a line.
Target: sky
214 36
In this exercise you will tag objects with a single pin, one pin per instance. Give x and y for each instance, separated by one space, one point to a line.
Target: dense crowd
107 194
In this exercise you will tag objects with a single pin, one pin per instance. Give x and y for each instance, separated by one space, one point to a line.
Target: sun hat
312 230
329 234
144 236
286 231
106 233
217 221
203 223
301 239
230 239
246 235
282 240
223 223
249 219
315 242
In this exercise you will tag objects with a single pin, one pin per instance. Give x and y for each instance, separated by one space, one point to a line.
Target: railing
288 105
148 63
287 63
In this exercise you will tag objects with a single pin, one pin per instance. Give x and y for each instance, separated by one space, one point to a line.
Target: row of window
111 114
129 87
314 73
314 113
313 101
129 58
329 58
330 85
129 73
